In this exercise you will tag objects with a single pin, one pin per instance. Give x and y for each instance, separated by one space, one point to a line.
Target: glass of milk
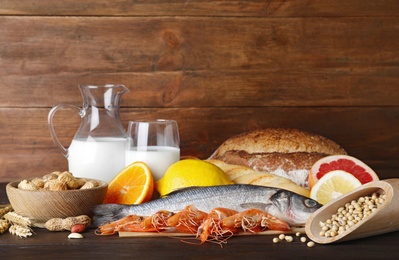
154 142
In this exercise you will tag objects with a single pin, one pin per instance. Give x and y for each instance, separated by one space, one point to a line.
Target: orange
345 163
333 185
133 185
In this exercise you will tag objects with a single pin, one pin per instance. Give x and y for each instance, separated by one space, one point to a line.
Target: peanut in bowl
42 205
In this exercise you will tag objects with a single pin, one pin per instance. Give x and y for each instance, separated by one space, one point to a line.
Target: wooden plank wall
218 67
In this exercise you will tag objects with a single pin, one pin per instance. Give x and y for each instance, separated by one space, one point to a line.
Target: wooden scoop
384 220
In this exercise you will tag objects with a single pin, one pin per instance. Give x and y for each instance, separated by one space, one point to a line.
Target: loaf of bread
289 153
245 175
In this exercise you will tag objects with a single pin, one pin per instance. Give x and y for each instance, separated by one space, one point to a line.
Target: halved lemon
133 185
333 185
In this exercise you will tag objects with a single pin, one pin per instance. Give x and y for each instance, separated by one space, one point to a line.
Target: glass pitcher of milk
97 150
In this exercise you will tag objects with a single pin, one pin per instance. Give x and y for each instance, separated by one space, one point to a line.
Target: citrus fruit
133 185
333 185
190 172
346 163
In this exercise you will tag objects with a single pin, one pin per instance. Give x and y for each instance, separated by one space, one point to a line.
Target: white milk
100 158
157 158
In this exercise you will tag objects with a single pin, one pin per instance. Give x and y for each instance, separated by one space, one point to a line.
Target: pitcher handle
54 136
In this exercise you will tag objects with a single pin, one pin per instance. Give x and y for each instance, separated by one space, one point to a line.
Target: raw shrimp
115 226
187 220
254 220
154 223
218 223
134 223
211 227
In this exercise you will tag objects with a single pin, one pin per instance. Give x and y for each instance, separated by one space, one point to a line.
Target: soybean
310 244
351 214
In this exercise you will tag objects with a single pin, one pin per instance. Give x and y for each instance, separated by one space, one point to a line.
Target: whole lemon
191 172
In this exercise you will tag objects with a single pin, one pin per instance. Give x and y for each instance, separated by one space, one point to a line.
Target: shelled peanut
57 181
350 214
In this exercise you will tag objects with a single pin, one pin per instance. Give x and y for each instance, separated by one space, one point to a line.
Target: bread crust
281 140
289 153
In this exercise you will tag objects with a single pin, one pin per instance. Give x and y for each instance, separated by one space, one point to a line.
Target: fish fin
181 190
256 205
106 213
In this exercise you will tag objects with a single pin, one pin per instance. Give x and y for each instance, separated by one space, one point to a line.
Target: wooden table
56 244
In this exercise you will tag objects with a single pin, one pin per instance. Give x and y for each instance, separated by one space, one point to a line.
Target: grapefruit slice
345 163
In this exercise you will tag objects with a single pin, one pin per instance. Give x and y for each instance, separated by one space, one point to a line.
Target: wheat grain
21 231
4 225
5 209
15 218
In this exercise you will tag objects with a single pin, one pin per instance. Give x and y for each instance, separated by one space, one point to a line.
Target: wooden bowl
42 205
383 220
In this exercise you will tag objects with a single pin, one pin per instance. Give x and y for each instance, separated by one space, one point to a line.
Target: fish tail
106 213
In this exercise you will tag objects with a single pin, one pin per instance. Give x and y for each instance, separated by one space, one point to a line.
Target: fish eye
310 203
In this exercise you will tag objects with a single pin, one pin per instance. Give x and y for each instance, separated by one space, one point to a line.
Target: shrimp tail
106 213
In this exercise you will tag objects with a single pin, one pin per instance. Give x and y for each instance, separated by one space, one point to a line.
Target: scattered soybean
289 239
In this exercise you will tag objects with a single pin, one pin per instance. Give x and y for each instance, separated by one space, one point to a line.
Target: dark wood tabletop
54 245
219 68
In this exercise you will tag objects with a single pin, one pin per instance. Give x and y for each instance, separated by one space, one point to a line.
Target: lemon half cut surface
333 185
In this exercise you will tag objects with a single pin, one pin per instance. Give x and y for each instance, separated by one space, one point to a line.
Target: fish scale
277 202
